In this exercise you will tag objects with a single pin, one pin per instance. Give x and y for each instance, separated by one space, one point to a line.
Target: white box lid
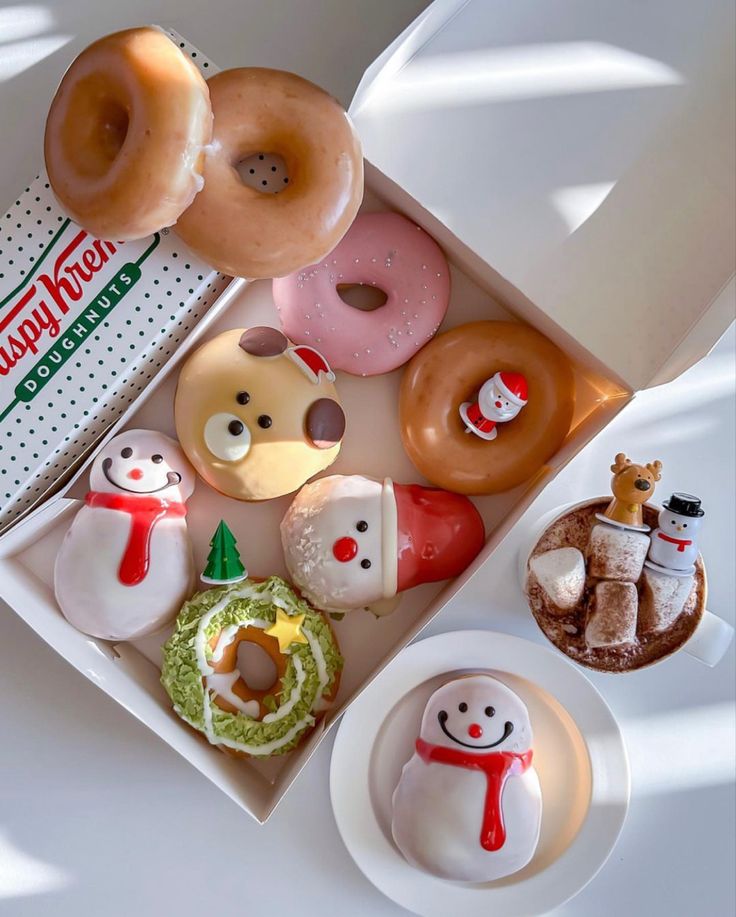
585 152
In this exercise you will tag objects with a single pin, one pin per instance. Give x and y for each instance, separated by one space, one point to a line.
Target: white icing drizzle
255 750
227 636
296 692
319 660
222 684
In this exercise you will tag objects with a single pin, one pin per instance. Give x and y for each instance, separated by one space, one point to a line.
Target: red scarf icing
498 766
145 512
681 543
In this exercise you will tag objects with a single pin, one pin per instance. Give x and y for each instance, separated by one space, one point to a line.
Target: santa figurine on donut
499 400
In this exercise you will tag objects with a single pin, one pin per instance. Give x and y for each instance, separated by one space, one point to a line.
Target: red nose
497 403
475 731
135 473
345 549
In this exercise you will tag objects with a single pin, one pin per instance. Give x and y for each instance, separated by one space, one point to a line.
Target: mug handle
711 639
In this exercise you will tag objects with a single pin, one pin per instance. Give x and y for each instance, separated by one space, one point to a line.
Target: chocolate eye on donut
126 453
490 711
361 526
264 421
365 564
157 459
242 397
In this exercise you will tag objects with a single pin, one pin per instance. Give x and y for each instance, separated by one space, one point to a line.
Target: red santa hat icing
512 386
311 362
429 535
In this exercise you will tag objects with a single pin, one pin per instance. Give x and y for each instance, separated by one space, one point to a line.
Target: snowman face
477 713
679 526
332 537
143 462
495 405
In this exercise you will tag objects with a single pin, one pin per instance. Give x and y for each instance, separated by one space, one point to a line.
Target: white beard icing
438 808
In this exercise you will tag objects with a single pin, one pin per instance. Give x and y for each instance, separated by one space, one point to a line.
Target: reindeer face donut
125 135
485 405
386 251
246 233
125 565
209 691
256 416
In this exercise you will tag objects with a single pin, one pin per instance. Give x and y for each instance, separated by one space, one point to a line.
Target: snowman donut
354 542
483 406
201 671
468 805
125 564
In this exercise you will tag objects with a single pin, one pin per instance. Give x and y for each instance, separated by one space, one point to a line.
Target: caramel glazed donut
125 135
443 379
246 233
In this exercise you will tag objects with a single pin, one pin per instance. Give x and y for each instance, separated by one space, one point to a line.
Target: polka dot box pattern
85 324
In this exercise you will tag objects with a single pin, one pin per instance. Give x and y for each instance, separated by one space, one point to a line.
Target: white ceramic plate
579 755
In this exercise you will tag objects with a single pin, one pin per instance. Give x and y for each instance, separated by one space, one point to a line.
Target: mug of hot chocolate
618 583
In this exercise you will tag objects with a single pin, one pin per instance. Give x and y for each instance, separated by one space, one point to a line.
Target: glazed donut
125 135
449 373
386 251
245 233
200 669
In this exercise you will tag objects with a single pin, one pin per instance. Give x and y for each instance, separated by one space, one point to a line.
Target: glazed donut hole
257 669
264 172
97 127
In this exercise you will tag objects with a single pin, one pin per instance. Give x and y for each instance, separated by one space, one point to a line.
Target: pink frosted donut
384 250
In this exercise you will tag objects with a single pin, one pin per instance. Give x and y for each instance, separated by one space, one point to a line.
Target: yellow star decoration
287 629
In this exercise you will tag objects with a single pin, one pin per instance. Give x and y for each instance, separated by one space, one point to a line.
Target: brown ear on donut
263 341
325 423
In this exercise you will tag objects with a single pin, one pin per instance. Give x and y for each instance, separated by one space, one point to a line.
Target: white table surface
98 818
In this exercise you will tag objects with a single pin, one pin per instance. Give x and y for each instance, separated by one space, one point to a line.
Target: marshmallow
663 598
612 620
561 574
616 553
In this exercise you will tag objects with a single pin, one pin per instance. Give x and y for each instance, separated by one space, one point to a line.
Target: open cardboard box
481 288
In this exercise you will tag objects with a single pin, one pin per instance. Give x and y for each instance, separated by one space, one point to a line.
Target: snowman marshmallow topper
499 400
354 542
674 547
125 565
468 805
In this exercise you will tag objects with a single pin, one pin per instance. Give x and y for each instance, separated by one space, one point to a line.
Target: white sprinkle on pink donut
383 250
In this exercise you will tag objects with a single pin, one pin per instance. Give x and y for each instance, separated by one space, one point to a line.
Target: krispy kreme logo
33 315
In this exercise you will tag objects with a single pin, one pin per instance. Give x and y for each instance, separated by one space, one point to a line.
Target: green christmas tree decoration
223 562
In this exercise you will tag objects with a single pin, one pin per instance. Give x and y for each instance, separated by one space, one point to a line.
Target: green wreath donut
209 693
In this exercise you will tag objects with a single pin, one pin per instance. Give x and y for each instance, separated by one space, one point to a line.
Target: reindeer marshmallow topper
256 415
632 486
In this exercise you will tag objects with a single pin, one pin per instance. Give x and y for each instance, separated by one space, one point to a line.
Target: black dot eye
127 452
684 525
672 522
242 397
463 708
490 711
235 427
157 459
264 421
361 526
365 564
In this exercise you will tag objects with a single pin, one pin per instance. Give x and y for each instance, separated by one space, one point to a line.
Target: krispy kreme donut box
608 367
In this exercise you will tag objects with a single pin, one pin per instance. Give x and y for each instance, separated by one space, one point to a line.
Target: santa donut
500 399
354 542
